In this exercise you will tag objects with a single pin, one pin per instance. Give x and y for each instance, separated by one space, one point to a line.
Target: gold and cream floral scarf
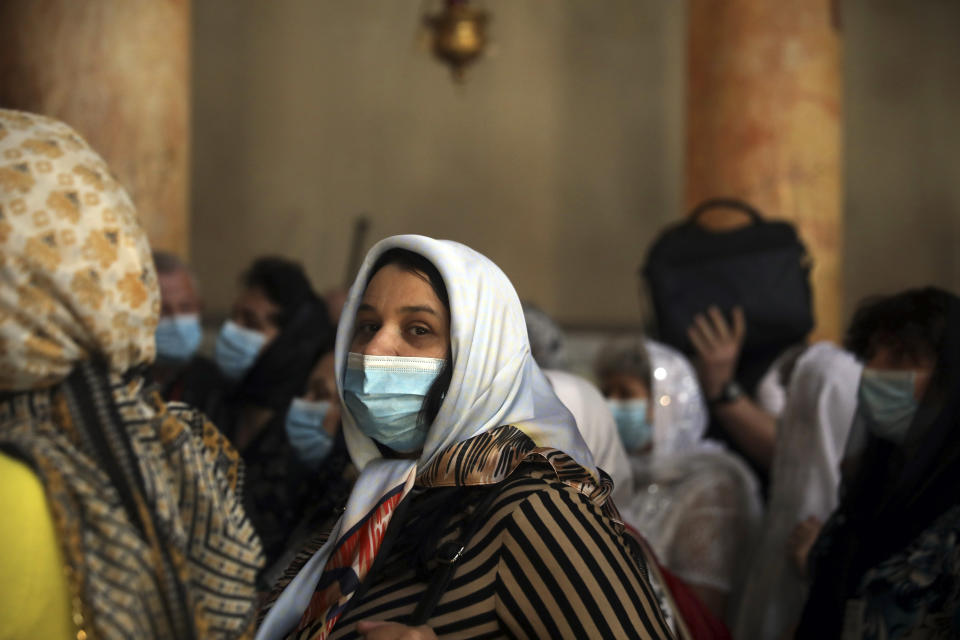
144 497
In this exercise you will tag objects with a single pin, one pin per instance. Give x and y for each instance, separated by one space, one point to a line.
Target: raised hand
717 344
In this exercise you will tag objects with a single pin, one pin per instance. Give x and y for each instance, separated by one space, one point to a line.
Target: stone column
118 72
764 118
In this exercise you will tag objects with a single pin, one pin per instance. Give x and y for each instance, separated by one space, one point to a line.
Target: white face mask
887 402
385 395
635 430
237 349
305 432
178 337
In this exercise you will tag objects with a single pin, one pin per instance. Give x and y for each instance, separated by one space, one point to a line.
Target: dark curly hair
911 324
284 282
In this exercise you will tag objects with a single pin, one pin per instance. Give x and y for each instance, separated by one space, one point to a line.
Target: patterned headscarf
143 496
499 410
76 277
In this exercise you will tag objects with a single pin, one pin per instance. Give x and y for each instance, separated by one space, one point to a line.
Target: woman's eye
419 331
368 328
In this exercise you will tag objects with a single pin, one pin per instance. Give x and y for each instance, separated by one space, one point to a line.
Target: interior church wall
559 157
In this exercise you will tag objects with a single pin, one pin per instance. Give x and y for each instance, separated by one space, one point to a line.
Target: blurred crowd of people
415 457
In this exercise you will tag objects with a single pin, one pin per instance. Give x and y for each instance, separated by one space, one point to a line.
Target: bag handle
448 555
726 203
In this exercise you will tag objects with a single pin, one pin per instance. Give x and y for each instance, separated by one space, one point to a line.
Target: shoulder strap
448 554
726 203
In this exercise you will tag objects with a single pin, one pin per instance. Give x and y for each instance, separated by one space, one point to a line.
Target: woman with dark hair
279 332
887 562
478 510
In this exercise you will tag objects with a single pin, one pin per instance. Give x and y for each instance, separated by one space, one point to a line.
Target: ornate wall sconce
458 34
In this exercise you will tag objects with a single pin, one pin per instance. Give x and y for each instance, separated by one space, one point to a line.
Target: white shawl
495 382
805 475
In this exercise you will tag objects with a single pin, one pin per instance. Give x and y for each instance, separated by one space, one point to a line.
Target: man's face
177 294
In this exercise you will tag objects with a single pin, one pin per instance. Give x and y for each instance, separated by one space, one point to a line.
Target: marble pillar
764 124
119 72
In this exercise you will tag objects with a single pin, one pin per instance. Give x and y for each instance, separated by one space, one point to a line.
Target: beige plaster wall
119 73
561 156
902 120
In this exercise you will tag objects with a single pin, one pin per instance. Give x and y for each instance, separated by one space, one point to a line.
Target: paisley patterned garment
143 496
915 593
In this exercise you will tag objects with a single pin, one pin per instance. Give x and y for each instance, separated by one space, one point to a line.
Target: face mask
887 402
178 337
305 431
237 349
631 417
385 395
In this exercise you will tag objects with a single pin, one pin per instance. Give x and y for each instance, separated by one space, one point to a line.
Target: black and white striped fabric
546 563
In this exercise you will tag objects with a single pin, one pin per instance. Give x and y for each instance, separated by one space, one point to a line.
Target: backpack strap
725 203
448 555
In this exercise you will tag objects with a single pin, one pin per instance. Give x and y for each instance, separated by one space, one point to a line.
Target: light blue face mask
632 424
305 432
178 337
385 394
887 402
237 349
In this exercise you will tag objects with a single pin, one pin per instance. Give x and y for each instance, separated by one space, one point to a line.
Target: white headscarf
495 379
495 382
804 478
680 414
673 503
597 427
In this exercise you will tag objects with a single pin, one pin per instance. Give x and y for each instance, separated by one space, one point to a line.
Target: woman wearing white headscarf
495 466
805 475
696 504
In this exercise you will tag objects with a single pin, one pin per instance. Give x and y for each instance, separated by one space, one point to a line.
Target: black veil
894 493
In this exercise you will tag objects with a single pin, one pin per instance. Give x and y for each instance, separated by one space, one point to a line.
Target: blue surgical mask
178 337
305 432
632 424
237 349
887 402
385 394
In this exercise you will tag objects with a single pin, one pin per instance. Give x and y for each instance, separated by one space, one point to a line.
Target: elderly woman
697 504
121 515
887 562
478 510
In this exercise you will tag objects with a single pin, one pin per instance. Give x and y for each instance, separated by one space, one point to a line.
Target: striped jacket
545 563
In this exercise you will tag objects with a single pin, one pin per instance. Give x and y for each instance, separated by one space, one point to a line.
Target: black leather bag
762 267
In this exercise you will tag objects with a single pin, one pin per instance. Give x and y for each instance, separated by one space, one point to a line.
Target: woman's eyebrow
365 307
417 308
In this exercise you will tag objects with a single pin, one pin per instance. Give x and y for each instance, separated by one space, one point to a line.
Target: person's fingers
720 326
793 537
706 330
381 630
697 340
739 324
365 626
797 534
